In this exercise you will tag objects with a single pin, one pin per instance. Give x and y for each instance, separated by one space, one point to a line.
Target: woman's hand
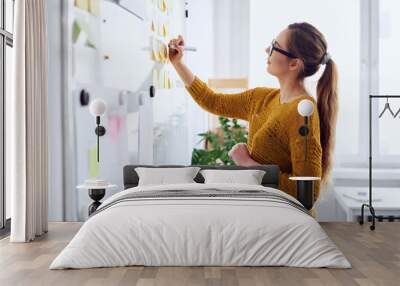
176 54
241 156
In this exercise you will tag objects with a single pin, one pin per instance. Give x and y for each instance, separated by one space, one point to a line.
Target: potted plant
219 142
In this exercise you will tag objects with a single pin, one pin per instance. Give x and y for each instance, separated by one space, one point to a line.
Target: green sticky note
93 164
89 44
76 30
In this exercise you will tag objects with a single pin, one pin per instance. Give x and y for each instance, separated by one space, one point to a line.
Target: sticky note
115 123
76 30
89 44
160 55
164 32
164 5
93 165
163 52
155 50
82 4
94 7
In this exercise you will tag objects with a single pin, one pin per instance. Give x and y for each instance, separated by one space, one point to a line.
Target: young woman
274 122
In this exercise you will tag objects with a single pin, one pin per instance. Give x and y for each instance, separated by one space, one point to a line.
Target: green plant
220 142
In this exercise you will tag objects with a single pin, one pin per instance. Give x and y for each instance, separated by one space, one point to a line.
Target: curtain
26 126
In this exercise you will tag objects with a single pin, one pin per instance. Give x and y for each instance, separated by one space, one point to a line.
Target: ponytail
309 44
327 102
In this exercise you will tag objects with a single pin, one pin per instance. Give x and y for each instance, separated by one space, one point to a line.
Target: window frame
6 39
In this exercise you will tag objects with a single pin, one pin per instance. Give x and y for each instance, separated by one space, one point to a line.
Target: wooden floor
375 257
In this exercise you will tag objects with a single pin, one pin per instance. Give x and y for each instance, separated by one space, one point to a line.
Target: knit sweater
273 134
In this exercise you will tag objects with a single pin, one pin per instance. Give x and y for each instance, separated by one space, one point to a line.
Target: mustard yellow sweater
273 129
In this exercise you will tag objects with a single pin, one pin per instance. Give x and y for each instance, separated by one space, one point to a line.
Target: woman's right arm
236 105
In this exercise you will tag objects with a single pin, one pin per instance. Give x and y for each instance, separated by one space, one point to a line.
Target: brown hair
309 44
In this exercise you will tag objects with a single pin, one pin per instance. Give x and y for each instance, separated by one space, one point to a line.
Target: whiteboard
123 37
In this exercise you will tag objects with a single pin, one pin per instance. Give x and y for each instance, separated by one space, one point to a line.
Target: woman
296 53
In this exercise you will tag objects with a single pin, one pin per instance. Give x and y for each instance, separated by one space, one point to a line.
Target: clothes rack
369 205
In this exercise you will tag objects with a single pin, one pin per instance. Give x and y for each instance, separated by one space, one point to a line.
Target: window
389 57
6 44
9 19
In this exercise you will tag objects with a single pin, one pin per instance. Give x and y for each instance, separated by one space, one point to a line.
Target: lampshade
305 107
97 107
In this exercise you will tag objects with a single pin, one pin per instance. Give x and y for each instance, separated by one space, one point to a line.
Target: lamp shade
305 107
97 107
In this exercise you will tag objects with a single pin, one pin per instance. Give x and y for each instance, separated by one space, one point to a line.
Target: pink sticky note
114 126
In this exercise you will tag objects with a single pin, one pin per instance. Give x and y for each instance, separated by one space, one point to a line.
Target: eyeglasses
273 47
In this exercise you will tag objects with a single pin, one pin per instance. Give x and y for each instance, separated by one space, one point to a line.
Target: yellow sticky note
94 7
165 33
164 5
82 4
93 165
168 81
160 53
163 52
155 51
